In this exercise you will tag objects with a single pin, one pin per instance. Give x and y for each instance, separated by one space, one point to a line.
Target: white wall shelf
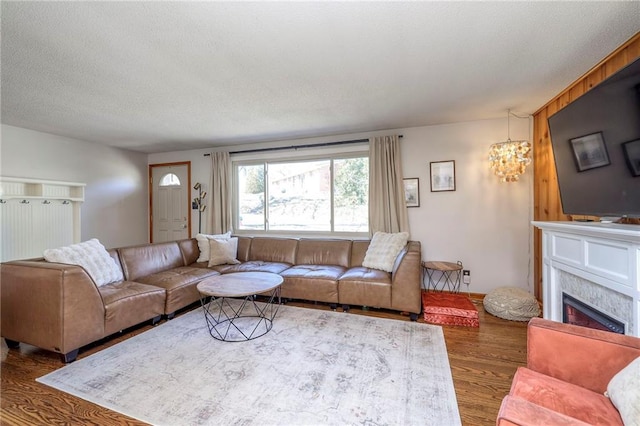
36 215
12 187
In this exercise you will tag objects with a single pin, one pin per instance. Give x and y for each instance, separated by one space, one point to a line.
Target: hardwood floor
483 361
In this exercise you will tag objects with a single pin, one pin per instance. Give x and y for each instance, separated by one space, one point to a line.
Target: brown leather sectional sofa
58 307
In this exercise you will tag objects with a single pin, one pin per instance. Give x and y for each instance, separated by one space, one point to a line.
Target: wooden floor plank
483 361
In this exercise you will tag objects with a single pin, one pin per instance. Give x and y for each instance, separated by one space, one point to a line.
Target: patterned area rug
313 368
449 309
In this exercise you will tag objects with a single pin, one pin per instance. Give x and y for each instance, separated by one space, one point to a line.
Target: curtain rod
280 148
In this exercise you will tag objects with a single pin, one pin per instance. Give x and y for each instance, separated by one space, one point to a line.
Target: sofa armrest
50 305
405 279
583 356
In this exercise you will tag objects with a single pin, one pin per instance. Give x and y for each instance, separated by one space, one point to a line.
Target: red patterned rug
449 309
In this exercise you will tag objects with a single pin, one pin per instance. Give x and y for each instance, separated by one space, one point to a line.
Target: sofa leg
413 317
345 308
156 320
170 316
70 356
333 306
12 344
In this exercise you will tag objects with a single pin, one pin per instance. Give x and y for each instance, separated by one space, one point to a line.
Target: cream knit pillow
624 392
203 244
383 250
223 252
92 256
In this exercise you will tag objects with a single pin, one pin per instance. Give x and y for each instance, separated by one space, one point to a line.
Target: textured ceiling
164 76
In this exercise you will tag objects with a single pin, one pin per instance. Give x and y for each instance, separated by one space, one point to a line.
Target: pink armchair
568 370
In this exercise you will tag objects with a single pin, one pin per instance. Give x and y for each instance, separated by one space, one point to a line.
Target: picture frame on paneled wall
411 192
443 175
632 155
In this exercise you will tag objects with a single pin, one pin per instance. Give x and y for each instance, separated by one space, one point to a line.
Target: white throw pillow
223 252
624 391
383 250
92 256
203 244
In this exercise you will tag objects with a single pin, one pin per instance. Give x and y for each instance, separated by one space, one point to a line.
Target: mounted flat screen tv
596 146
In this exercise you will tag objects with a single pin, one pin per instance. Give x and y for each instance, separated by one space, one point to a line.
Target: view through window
320 195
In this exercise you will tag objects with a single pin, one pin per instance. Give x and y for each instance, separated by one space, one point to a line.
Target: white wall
115 209
484 223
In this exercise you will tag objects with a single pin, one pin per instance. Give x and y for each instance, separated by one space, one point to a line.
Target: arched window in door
170 180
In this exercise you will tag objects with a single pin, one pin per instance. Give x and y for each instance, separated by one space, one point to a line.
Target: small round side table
449 276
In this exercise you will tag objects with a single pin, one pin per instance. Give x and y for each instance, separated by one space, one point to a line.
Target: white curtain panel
387 208
220 201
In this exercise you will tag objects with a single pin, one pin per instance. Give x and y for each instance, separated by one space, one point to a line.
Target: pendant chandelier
509 159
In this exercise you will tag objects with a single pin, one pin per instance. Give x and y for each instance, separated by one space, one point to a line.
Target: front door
170 207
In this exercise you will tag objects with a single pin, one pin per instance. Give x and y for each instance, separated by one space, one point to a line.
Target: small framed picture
443 175
632 155
412 192
589 152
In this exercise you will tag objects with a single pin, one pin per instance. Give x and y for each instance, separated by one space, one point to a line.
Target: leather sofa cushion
318 289
312 282
282 250
324 252
310 289
253 266
177 277
564 398
244 245
358 252
127 303
325 272
143 260
361 273
189 249
180 285
365 286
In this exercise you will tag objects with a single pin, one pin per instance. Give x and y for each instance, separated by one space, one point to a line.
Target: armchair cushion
564 398
515 411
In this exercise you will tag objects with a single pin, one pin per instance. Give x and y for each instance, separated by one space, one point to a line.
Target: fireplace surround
595 263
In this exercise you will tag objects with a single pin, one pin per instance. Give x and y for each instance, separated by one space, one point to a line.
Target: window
169 180
328 195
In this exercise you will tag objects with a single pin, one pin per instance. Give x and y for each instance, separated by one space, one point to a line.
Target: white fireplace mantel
597 263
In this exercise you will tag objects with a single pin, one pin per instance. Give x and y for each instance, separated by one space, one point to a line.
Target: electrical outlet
466 276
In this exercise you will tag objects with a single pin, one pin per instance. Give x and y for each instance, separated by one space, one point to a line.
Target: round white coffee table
233 314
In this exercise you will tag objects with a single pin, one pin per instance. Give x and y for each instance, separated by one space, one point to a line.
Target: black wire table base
240 319
446 275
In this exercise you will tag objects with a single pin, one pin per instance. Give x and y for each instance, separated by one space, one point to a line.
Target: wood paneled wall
546 203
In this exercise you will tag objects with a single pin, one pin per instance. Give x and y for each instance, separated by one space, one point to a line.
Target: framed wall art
589 152
443 175
632 155
412 192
